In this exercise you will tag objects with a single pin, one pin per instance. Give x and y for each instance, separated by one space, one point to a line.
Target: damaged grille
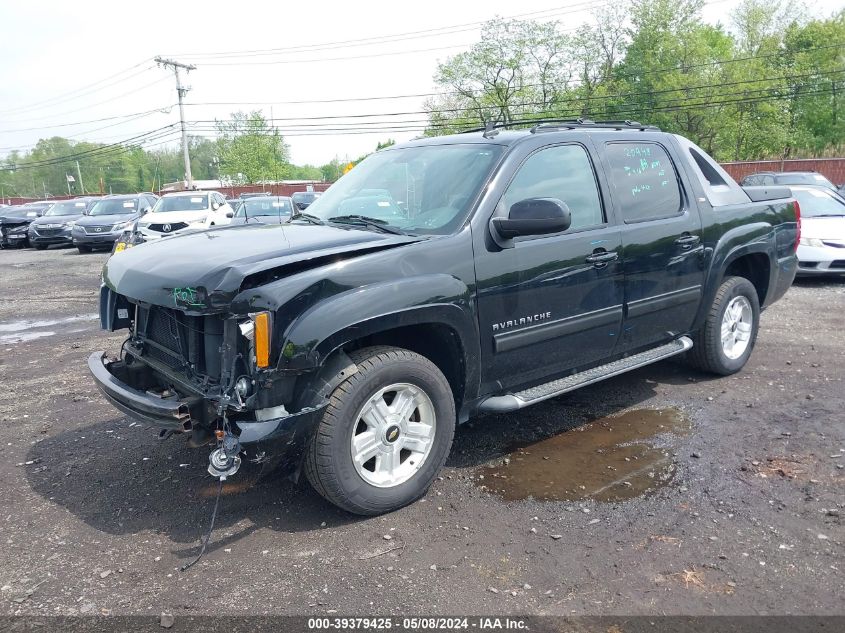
187 344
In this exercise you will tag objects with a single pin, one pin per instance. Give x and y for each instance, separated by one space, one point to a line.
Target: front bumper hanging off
168 413
280 440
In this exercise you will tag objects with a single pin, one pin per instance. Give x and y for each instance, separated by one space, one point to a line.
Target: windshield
115 206
68 207
254 207
181 203
427 189
818 202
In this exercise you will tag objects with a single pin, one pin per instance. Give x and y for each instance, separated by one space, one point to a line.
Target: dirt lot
743 515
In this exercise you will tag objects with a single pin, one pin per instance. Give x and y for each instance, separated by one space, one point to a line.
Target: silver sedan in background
821 250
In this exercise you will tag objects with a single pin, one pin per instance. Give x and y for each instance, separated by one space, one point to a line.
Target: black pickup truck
439 279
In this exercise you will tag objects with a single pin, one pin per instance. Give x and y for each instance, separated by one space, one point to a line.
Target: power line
164 137
38 104
682 104
163 110
90 152
396 37
445 93
481 90
134 91
533 103
670 106
337 59
79 136
685 103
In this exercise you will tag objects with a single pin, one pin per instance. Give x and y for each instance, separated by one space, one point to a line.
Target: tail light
798 223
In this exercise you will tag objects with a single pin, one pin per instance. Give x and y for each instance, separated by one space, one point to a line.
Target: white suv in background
183 210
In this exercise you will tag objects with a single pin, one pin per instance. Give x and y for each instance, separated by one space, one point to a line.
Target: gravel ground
98 514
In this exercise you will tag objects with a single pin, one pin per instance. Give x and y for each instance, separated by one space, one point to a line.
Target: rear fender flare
744 240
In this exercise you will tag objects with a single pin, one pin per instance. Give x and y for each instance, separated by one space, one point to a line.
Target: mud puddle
609 459
29 330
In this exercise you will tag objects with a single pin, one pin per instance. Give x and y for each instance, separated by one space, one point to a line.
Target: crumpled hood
202 272
824 228
14 219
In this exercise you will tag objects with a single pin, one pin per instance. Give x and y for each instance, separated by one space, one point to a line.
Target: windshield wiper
372 223
311 219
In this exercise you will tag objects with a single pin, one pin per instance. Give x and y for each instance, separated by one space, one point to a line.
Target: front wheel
40 247
724 343
385 435
83 249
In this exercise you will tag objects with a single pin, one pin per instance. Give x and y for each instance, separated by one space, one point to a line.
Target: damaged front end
208 376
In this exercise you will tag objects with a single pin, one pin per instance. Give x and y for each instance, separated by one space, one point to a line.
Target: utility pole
181 92
79 173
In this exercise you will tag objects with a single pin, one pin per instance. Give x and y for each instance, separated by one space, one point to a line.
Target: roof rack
543 125
552 124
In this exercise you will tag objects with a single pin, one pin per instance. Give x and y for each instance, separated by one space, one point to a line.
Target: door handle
602 258
687 241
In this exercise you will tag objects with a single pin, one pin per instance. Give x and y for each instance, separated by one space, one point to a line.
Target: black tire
40 247
83 249
328 461
707 353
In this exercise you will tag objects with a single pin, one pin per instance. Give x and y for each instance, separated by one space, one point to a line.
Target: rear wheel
385 435
724 343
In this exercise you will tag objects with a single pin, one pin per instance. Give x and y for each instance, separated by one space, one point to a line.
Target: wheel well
755 268
438 343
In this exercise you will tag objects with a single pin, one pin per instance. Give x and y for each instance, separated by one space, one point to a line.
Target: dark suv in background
56 225
302 199
15 221
108 219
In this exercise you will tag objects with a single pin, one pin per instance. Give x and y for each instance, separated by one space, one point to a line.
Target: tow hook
225 460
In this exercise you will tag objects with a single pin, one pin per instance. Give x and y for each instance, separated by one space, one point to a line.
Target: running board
512 402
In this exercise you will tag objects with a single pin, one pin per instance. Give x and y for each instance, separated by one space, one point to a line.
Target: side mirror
215 206
301 205
533 216
230 214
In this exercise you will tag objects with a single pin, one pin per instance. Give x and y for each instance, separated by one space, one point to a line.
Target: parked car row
89 223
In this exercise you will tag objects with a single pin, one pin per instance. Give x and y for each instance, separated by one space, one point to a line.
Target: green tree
251 149
515 69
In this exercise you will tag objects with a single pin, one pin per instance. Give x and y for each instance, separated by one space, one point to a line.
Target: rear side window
645 181
563 172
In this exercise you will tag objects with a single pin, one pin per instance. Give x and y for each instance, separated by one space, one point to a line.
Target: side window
563 172
645 181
